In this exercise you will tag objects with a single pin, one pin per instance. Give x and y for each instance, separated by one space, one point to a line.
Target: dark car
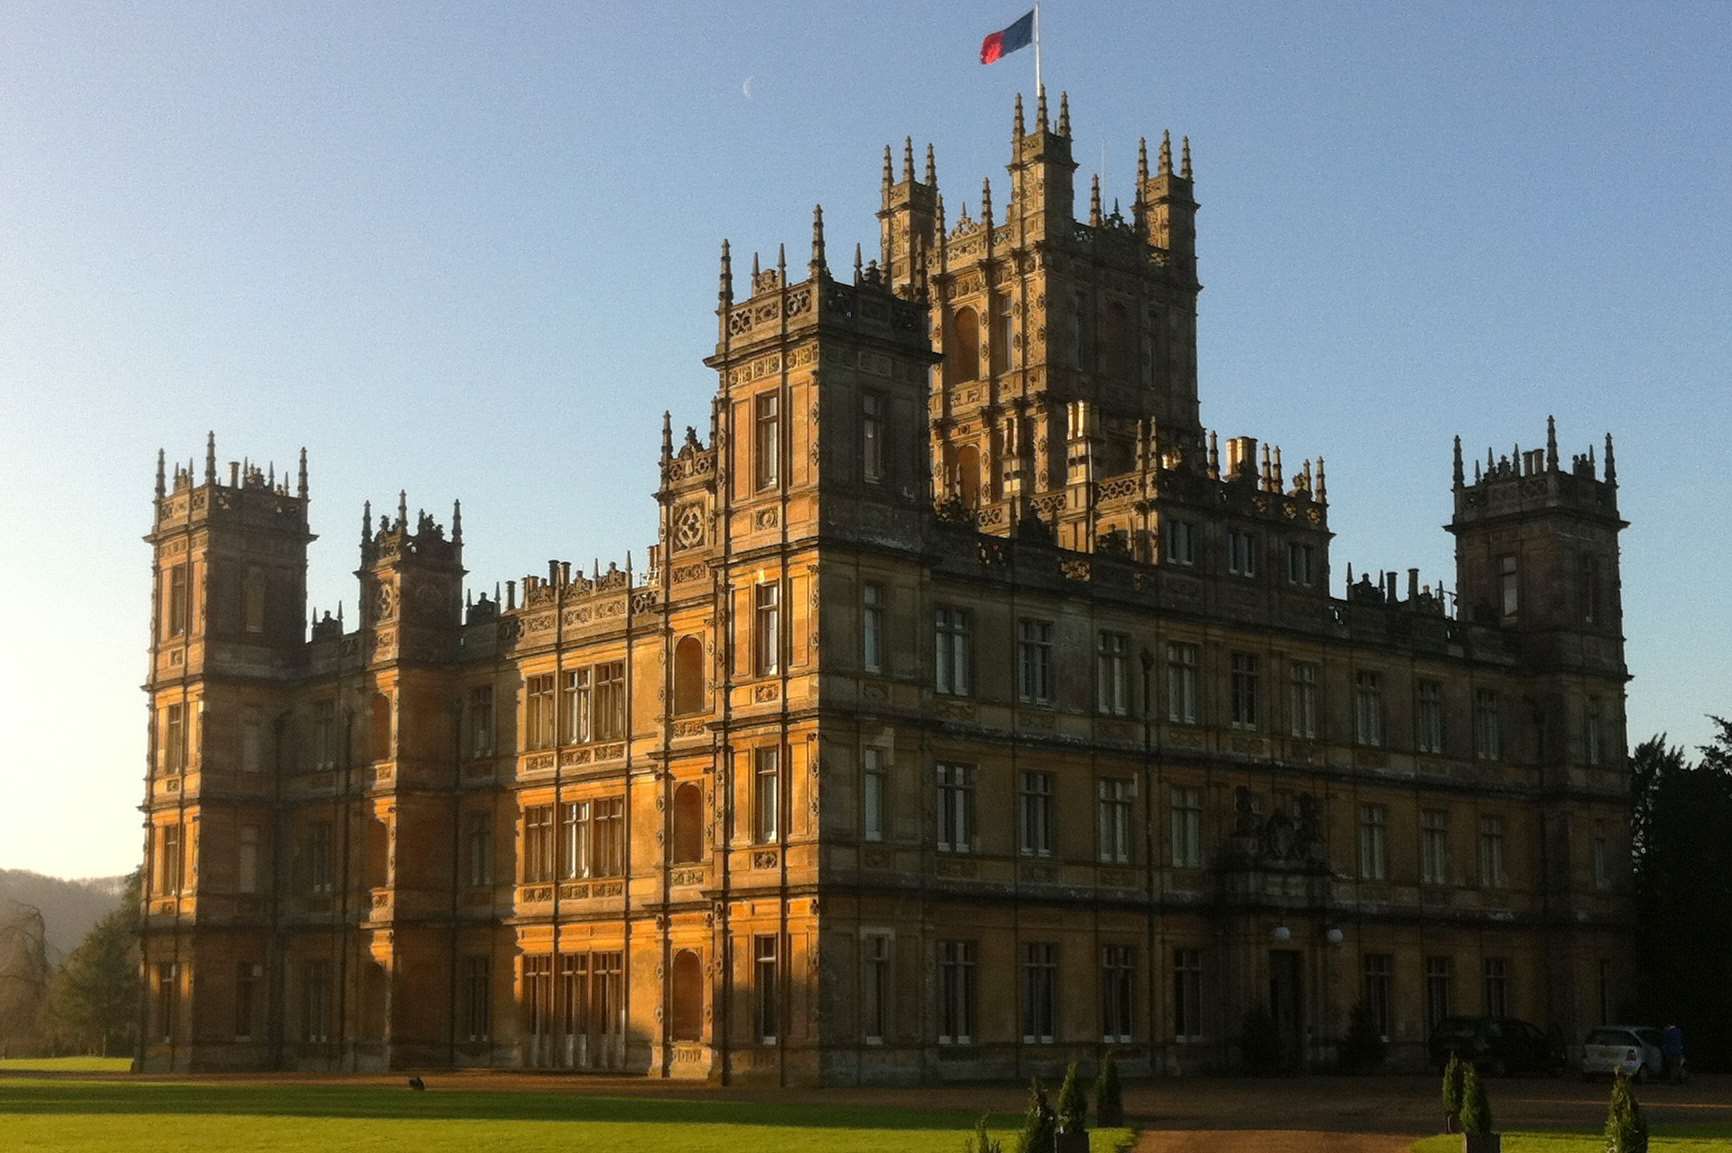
1497 1045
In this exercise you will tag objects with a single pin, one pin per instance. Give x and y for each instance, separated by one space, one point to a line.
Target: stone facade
972 714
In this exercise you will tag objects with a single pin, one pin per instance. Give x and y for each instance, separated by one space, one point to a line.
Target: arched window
968 475
1003 333
379 729
1115 342
688 676
253 600
688 997
963 355
688 840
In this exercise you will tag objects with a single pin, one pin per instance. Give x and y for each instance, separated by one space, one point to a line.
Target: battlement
1525 482
251 494
394 541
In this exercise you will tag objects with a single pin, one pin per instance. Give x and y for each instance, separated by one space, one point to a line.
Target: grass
49 1115
1683 1139
65 1064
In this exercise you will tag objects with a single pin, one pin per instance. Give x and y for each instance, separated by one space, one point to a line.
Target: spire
1214 456
366 523
986 204
1095 201
1280 474
931 168
857 268
886 181
725 284
456 522
1064 113
1322 484
402 508
301 484
782 265
1551 444
161 474
667 437
755 273
1166 168
1040 111
1611 463
210 458
1460 472
1185 157
908 159
943 236
1142 162
1016 133
818 266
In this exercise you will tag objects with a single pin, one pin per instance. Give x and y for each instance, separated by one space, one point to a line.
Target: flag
1003 43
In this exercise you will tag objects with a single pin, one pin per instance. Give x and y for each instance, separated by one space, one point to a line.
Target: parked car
1497 1045
1633 1050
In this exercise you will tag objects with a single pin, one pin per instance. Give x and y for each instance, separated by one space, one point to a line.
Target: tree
1454 1074
1363 1047
23 976
1109 1097
1475 1109
1073 1106
93 996
1037 1122
1626 1128
980 1141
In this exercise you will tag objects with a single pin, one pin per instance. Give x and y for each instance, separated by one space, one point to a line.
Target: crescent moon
746 88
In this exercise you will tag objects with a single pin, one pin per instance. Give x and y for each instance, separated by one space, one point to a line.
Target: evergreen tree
1109 1098
1037 1122
980 1141
1363 1047
1475 1109
1073 1106
1453 1074
93 997
1626 1128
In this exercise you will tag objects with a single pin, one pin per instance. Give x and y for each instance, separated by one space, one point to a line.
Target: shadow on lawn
388 1103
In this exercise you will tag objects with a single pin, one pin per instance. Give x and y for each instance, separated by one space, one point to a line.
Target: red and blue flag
1002 43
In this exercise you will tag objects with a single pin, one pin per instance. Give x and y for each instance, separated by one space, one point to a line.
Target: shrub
1073 1105
1452 1078
1037 1122
1626 1128
1260 1041
1363 1047
980 1141
1475 1109
1109 1099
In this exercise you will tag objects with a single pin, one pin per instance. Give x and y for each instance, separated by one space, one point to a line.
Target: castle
976 711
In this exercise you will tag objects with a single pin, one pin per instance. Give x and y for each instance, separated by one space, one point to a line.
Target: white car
1633 1050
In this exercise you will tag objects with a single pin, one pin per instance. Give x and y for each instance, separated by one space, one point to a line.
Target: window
477 996
1082 352
1429 722
478 837
955 808
481 721
173 859
608 854
1118 992
1034 661
1368 708
574 846
1003 333
325 733
1302 705
688 996
688 676
1491 874
379 728
1187 994
1509 586
1116 347
167 1000
1593 734
764 987
318 872
766 447
1301 564
609 718
246 999
872 627
766 629
1379 991
538 844
1438 979
1039 993
1496 987
1187 828
872 437
1602 857
177 601
1181 542
253 600
174 739
252 743
1487 725
538 713
766 794
955 652
1182 683
538 995
1035 814
574 705
1244 694
1112 674
956 996
1113 816
688 838
1590 589
1241 552
964 363
1373 846
247 860
876 989
316 1002
1434 847
875 784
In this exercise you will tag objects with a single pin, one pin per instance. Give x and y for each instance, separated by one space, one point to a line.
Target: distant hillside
69 908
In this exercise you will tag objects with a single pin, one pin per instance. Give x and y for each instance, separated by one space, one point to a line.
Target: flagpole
1037 49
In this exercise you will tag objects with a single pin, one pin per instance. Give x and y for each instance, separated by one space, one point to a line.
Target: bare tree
24 976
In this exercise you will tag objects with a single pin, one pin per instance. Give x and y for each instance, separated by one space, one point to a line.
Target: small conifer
1475 1109
1073 1106
1109 1098
1452 1079
1037 1122
1626 1128
980 1141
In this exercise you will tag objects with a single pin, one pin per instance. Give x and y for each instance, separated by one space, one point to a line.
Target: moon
746 88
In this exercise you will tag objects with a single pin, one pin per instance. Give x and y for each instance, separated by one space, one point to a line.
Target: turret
906 217
1169 210
1043 173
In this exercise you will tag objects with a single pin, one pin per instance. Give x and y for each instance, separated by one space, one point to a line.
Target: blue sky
471 251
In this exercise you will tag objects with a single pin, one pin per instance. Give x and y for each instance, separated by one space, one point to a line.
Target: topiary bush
980 1141
1037 1122
1073 1105
1109 1098
1363 1048
1260 1041
1475 1109
1626 1128
1453 1073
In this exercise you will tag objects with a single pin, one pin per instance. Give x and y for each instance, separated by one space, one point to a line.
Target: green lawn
65 1064
42 1115
1683 1139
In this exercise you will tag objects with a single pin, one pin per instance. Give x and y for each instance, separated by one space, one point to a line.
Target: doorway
1285 1005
